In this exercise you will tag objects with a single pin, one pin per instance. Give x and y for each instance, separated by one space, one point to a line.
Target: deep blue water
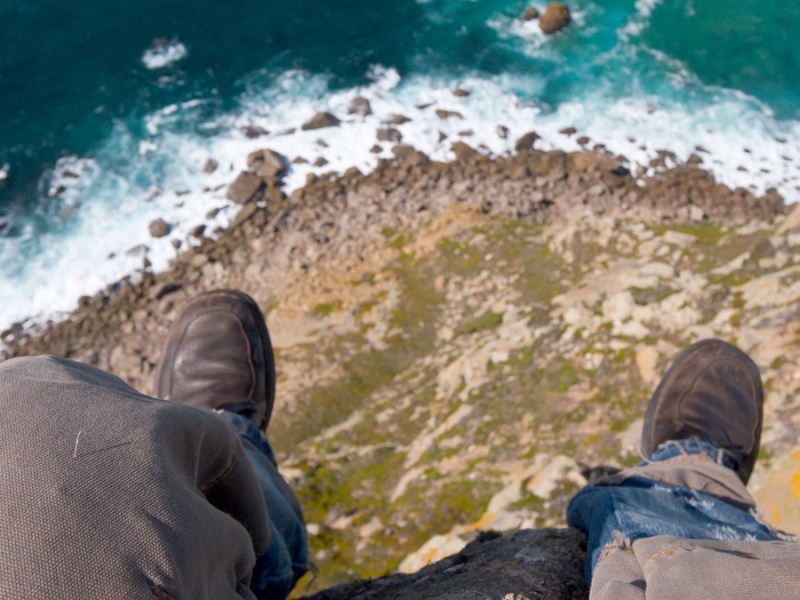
75 87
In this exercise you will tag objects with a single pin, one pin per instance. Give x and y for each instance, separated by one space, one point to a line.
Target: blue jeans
286 559
641 508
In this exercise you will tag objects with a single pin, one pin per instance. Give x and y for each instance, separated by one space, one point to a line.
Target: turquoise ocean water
100 131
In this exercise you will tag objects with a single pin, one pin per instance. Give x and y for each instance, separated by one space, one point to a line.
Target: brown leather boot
219 355
713 393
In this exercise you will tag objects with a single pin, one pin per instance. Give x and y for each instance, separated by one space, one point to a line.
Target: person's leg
219 357
701 435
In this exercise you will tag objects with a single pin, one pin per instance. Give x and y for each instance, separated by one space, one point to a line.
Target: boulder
568 131
448 114
396 120
159 228
320 121
210 166
244 187
554 18
359 106
461 93
267 163
464 151
389 134
530 14
526 142
243 215
254 131
409 155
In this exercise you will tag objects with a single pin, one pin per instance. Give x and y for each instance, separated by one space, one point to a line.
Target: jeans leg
286 559
640 507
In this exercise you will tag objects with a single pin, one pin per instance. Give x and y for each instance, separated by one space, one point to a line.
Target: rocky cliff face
460 347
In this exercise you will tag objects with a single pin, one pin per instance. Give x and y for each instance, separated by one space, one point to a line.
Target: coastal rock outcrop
554 18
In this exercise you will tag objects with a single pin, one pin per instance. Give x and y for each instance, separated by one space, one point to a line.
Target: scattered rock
360 106
376 149
197 231
254 131
389 134
244 214
583 140
198 261
464 151
320 162
159 228
461 93
167 288
210 166
409 155
502 132
244 187
526 142
530 14
568 131
267 163
448 114
320 121
396 120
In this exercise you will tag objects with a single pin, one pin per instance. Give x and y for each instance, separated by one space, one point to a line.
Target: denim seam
618 542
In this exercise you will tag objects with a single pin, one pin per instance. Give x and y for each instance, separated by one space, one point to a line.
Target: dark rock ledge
529 564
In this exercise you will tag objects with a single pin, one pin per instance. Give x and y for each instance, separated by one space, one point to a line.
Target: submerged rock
210 166
448 114
359 106
530 14
320 121
554 18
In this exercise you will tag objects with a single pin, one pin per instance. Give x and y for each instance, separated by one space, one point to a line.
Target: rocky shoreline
337 217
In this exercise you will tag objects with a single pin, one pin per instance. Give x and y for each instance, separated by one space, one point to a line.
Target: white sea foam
163 53
108 206
5 170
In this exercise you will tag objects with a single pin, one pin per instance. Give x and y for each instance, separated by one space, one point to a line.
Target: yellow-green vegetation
476 369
